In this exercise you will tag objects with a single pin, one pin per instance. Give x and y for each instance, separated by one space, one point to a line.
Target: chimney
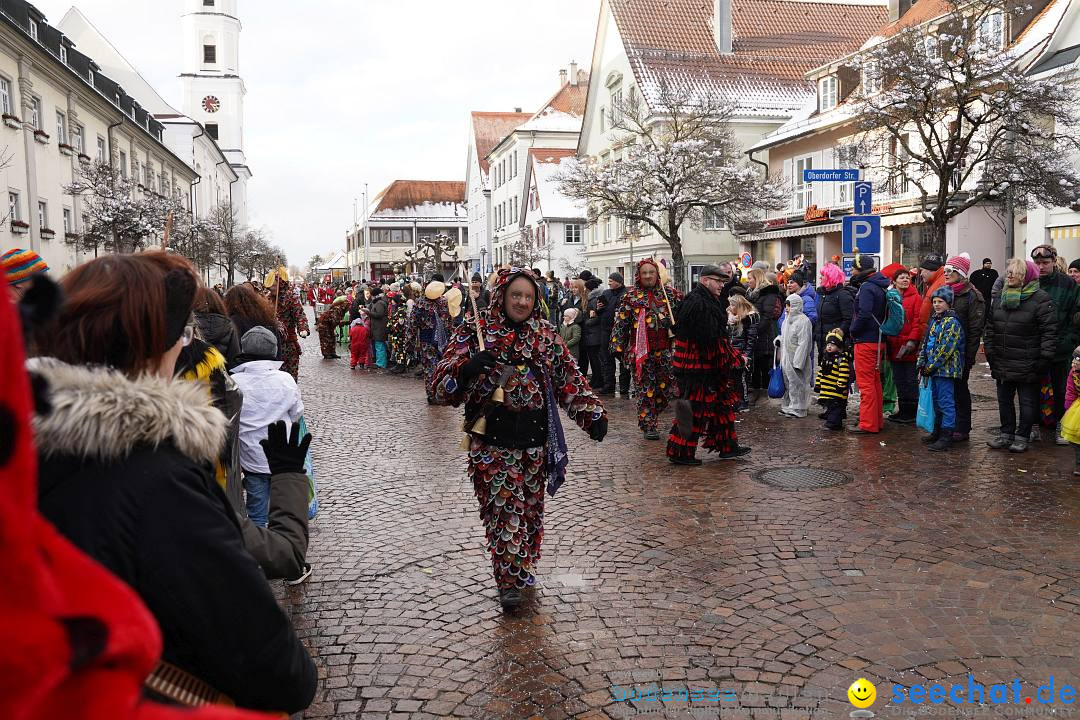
517 110
573 73
562 78
722 25
894 10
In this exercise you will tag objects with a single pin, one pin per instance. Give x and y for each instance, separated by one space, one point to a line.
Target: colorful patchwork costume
641 337
521 449
429 328
292 318
328 323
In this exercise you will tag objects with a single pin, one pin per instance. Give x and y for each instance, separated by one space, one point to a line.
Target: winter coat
1020 343
612 298
1065 295
769 306
571 335
219 331
984 281
124 474
970 309
744 335
836 307
796 351
572 301
870 309
942 351
592 332
270 395
834 377
937 279
377 318
913 329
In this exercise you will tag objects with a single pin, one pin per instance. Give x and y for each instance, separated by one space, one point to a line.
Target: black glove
480 363
924 371
285 455
598 429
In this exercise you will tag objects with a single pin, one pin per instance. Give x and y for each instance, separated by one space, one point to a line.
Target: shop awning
1069 232
797 231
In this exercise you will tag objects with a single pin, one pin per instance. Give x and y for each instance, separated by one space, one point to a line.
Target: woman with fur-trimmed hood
519 449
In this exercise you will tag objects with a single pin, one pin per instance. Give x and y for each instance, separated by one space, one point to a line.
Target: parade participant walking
942 361
519 449
903 348
743 331
292 317
326 325
641 339
609 303
1070 423
870 313
1065 294
834 380
430 323
766 298
704 365
1020 341
796 358
125 454
970 309
397 330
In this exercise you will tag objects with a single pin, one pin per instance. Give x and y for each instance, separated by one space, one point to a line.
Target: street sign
746 259
862 232
850 175
864 198
849 264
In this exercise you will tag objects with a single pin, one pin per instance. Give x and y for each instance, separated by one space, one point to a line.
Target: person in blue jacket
942 360
870 312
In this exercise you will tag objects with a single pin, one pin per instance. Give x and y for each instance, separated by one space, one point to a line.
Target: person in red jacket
932 269
904 347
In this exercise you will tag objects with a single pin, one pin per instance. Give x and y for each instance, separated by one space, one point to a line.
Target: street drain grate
801 478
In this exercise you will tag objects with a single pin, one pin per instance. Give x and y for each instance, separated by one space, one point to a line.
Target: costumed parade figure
641 337
292 318
327 326
705 364
397 331
512 383
796 358
430 323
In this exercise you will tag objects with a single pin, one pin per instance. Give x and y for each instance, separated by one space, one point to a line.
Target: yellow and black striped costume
834 377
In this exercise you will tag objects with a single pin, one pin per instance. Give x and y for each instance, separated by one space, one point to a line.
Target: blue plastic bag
926 418
309 470
776 383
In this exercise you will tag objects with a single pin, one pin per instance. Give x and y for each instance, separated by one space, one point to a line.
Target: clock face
211 104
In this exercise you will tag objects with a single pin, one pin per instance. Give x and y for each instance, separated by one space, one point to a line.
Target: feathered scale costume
540 374
640 335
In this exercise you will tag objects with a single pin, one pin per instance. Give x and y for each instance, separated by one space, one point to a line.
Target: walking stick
168 231
663 289
480 426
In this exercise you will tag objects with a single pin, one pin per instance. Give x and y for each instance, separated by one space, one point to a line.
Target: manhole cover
801 478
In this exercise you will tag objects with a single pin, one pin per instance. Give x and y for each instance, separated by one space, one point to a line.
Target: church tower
213 89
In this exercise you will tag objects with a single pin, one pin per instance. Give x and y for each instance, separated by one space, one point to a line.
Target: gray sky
343 92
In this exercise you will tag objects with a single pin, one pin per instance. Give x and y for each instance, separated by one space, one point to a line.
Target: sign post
864 198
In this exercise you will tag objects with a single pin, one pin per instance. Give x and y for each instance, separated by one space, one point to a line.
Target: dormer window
33 29
827 93
63 53
871 77
90 76
992 31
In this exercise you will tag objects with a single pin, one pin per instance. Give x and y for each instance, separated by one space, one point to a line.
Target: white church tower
213 89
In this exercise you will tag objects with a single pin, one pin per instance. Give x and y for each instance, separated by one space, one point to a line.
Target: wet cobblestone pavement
922 569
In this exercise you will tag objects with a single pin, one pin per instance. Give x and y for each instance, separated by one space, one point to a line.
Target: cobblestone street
921 569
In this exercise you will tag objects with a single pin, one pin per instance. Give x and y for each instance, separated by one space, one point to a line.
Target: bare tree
223 230
679 159
948 112
118 219
524 252
433 252
573 265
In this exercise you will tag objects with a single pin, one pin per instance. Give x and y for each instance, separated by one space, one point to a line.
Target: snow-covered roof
553 121
489 128
338 262
421 200
546 165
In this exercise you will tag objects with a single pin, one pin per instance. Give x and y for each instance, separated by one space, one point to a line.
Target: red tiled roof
402 194
490 128
570 99
774 42
920 12
551 155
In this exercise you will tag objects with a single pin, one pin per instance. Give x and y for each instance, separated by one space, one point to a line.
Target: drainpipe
765 168
192 196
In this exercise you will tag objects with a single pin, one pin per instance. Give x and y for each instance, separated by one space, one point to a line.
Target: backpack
894 313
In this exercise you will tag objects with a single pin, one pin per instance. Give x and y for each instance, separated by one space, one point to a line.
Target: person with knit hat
970 309
871 310
931 276
1074 271
607 306
904 346
1020 340
984 278
20 267
834 380
941 361
836 304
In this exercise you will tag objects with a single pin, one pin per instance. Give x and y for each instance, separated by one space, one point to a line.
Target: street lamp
483 261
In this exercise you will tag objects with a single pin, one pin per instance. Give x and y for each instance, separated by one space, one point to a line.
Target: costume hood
496 312
637 274
101 414
795 304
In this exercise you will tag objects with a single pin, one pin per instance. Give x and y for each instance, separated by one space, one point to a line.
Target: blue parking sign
864 198
862 232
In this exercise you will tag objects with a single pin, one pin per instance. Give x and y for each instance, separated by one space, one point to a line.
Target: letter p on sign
862 232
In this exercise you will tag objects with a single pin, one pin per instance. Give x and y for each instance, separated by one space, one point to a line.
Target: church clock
211 104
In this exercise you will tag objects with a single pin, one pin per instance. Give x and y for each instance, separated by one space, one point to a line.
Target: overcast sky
343 92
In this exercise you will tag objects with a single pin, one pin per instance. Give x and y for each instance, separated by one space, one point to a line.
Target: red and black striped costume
704 364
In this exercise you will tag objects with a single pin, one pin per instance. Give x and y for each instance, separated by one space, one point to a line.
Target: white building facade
61 112
553 224
486 129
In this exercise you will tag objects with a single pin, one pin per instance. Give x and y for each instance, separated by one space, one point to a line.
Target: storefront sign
776 223
813 214
880 209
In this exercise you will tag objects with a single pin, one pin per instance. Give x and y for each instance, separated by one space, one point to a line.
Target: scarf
1011 297
557 455
641 344
959 287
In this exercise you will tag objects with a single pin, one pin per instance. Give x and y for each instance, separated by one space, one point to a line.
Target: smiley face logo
862 693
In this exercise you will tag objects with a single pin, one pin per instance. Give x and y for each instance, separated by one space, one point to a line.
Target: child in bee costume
834 380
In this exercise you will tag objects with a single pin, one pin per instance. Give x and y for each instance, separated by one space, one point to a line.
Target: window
35 112
33 30
5 95
612 230
13 206
42 215
603 119
616 104
148 173
123 165
929 46
514 163
572 233
992 31
208 3
871 77
90 76
100 149
67 221
61 128
212 130
209 54
714 219
77 132
63 53
804 192
826 93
